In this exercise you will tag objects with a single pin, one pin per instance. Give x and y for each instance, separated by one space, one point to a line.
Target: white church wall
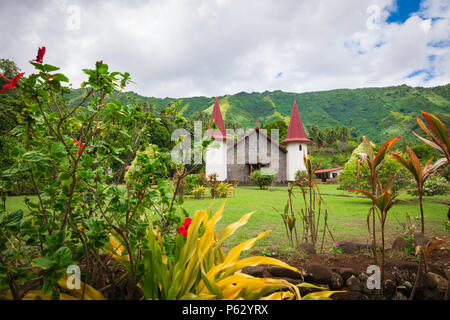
216 160
295 160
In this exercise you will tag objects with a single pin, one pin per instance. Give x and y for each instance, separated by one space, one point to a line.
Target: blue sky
404 10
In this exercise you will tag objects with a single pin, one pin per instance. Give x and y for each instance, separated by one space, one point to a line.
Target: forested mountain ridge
378 113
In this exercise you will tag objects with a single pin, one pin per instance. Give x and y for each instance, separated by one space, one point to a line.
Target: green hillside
378 113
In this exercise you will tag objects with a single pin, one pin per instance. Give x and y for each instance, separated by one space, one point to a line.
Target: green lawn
346 216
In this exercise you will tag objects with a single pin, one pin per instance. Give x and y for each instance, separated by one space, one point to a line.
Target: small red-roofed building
330 173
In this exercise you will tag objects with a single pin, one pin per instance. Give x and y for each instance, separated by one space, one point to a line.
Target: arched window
300 147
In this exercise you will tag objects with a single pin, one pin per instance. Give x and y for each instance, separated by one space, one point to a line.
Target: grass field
346 215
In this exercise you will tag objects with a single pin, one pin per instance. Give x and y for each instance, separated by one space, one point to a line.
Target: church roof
218 120
263 134
296 131
329 170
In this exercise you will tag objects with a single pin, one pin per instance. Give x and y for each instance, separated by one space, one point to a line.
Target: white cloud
203 47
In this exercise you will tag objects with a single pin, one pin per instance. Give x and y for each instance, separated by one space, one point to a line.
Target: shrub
192 181
225 190
203 180
300 175
198 192
348 177
213 185
260 180
435 185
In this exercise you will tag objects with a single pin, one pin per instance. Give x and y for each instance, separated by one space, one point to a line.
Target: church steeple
296 145
216 115
216 154
296 131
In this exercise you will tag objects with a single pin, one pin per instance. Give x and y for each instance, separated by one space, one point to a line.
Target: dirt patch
351 269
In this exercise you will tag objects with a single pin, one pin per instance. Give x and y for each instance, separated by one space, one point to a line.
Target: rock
405 276
318 273
399 296
346 273
349 295
307 247
353 284
405 288
399 243
283 272
435 281
336 281
362 276
408 285
433 294
351 247
389 288
305 290
256 271
406 265
290 280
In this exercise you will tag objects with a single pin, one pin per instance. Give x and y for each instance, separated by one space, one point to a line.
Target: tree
280 125
10 105
316 135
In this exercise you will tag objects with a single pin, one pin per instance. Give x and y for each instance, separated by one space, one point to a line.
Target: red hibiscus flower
12 83
40 55
184 228
81 148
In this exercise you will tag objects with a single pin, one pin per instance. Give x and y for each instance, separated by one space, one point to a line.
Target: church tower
216 153
296 144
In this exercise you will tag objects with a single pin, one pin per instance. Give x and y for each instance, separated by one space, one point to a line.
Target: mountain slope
378 113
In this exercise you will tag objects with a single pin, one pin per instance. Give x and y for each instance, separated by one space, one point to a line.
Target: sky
176 48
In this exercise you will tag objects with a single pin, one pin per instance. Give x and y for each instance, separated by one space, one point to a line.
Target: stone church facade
235 159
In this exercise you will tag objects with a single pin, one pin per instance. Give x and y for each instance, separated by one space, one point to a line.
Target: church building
235 156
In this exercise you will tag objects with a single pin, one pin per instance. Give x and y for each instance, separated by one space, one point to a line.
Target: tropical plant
198 192
424 248
419 174
311 213
200 269
314 204
439 134
225 190
213 184
372 165
336 248
382 203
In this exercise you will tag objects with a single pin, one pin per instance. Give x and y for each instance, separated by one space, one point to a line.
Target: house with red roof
330 173
234 155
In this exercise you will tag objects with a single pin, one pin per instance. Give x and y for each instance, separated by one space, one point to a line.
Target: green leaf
49 68
60 77
38 66
43 263
103 69
14 218
62 257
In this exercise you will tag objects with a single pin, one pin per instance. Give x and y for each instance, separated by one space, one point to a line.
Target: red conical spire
218 120
296 131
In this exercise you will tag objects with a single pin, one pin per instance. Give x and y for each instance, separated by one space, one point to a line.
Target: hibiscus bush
66 152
